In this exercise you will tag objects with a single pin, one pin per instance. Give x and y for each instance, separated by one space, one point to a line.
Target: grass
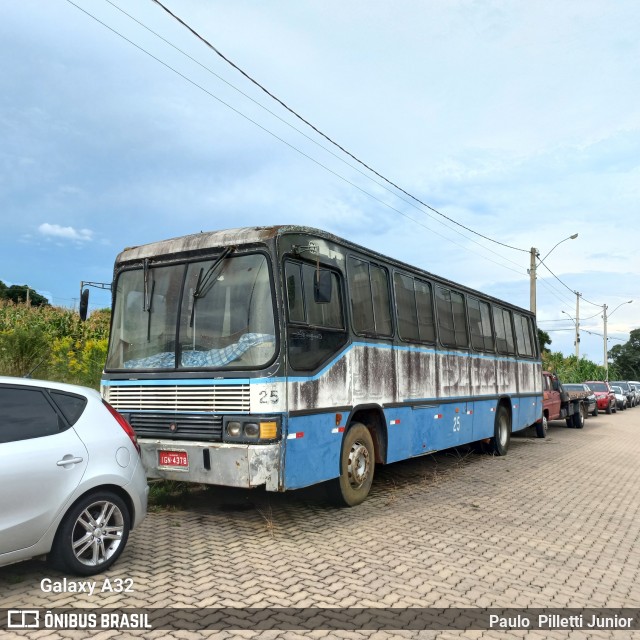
168 494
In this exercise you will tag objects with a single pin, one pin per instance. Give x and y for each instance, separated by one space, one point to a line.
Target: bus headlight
251 429
234 429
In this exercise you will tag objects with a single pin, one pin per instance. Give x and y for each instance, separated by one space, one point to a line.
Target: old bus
285 356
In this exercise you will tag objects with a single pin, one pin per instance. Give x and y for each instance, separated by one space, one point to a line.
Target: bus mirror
84 304
323 285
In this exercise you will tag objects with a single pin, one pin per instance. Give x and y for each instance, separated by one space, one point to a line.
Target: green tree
544 339
18 293
626 357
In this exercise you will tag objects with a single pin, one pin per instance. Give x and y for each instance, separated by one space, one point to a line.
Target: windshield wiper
206 281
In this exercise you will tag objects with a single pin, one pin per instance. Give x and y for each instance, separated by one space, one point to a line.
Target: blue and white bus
285 356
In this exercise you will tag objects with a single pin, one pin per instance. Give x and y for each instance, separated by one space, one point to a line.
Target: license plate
173 459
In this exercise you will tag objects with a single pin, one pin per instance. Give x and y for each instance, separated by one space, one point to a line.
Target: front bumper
231 465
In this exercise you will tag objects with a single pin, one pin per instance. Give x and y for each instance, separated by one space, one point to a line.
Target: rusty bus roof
208 239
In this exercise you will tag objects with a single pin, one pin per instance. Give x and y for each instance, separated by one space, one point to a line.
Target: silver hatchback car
71 478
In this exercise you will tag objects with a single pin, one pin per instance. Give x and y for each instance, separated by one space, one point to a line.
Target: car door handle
68 461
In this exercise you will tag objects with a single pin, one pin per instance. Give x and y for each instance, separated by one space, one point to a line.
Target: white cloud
68 233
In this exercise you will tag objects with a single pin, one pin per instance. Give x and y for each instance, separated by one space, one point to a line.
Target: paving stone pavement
554 524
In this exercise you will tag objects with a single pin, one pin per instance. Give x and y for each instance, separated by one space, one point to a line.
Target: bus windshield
213 314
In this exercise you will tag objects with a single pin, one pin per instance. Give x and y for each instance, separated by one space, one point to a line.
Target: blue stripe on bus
322 372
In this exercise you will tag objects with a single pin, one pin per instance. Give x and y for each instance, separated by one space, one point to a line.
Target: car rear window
71 405
26 414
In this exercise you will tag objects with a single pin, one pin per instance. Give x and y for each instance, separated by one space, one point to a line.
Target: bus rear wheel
357 464
541 427
501 432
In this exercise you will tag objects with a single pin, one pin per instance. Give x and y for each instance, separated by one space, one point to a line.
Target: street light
576 322
532 270
606 351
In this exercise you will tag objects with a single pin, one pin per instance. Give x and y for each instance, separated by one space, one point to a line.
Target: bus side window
323 330
361 298
534 337
460 319
452 325
370 301
508 325
406 310
381 302
323 314
523 336
445 316
424 304
504 330
501 338
480 325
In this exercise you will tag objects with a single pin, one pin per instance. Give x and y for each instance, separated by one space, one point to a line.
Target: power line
567 286
321 133
554 292
280 139
302 133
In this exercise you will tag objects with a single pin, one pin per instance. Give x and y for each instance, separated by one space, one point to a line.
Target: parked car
604 396
627 390
559 403
72 480
635 387
592 403
621 397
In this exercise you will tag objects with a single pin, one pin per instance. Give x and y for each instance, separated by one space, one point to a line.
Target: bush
53 342
572 369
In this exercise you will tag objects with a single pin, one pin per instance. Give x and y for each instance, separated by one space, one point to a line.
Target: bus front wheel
501 432
357 463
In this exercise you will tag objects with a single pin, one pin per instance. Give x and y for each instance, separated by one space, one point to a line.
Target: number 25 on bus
286 356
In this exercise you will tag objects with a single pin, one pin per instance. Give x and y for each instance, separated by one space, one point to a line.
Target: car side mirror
84 304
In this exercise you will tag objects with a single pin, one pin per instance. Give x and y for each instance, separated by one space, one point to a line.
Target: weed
267 515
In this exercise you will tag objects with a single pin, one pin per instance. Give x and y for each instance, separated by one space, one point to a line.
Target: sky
518 120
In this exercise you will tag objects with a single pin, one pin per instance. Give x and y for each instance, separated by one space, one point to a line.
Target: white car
72 482
621 398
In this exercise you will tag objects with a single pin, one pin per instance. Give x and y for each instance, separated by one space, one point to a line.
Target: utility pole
606 353
532 279
578 325
532 270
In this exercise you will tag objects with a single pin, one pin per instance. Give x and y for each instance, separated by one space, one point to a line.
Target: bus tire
541 427
501 432
357 464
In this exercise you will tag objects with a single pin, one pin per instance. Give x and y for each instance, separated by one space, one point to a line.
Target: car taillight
128 429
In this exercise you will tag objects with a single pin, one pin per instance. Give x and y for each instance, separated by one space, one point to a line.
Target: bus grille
177 426
179 398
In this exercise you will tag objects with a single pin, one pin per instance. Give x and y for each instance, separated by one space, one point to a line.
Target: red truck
558 404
